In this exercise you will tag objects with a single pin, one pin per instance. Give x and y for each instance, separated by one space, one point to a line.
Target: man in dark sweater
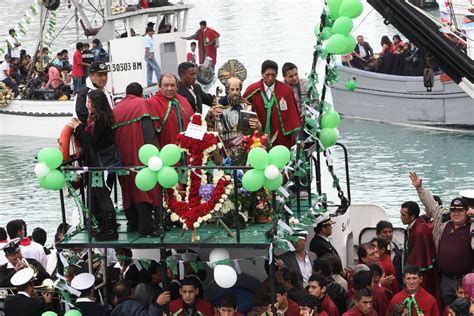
188 88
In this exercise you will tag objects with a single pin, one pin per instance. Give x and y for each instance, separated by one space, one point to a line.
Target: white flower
199 220
218 206
224 196
196 225
293 221
174 217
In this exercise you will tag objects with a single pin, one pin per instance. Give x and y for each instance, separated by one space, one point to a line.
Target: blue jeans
152 66
13 86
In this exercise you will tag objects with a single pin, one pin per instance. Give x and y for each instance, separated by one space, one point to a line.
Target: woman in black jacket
97 137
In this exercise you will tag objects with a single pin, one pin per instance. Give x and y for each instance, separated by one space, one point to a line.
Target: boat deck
210 236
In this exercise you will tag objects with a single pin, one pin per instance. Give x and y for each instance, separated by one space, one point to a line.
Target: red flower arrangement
193 210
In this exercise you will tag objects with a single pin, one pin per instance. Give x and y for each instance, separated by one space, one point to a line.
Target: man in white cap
298 259
453 238
24 303
84 283
320 243
16 262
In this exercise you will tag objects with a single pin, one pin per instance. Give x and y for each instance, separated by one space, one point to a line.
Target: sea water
380 155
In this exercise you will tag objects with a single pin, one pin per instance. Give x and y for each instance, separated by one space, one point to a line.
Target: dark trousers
101 200
140 218
12 85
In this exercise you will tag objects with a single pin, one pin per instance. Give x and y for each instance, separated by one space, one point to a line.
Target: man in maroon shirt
78 68
414 296
317 284
283 304
363 304
452 238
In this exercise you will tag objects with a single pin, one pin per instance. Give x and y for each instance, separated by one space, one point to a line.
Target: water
251 31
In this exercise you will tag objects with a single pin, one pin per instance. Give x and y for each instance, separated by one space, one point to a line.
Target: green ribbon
268 106
408 302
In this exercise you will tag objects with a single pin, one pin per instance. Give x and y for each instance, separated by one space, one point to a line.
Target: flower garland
195 209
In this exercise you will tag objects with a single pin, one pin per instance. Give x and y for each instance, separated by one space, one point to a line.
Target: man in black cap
320 243
24 303
16 262
453 238
97 80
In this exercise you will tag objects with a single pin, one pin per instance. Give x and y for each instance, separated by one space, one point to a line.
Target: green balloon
279 156
170 155
146 152
73 312
42 182
334 6
327 33
351 8
328 137
351 85
330 120
145 180
167 177
258 158
52 157
49 313
350 44
336 44
343 25
253 180
54 180
273 185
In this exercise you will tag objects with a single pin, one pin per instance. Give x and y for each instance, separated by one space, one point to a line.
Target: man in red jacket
275 105
420 247
208 41
189 303
414 296
363 304
317 284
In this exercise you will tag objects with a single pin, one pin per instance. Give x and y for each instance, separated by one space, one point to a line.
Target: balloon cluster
267 168
254 141
339 40
158 167
329 133
71 312
49 177
224 275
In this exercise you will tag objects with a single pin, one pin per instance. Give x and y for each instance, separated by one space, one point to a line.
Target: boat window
169 47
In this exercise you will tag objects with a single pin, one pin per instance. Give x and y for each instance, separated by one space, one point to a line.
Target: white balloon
155 163
41 169
225 276
218 254
271 172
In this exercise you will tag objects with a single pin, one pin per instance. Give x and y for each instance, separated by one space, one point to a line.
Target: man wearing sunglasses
452 238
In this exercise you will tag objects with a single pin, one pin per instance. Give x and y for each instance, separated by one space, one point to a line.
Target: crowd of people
46 78
396 57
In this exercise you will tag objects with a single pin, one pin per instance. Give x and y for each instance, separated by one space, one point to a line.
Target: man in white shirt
29 249
362 54
13 44
6 77
151 63
298 259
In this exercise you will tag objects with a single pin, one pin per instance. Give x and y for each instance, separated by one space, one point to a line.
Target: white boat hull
35 118
403 100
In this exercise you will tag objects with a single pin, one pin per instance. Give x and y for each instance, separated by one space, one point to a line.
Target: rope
62 29
360 23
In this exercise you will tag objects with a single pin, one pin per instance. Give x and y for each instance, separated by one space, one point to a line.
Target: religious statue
233 116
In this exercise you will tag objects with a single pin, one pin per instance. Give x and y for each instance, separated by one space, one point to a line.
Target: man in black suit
320 243
84 283
188 88
362 54
16 262
24 303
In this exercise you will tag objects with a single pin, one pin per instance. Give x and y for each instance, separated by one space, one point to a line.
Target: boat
405 100
44 118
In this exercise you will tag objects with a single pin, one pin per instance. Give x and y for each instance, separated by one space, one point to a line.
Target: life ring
65 140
